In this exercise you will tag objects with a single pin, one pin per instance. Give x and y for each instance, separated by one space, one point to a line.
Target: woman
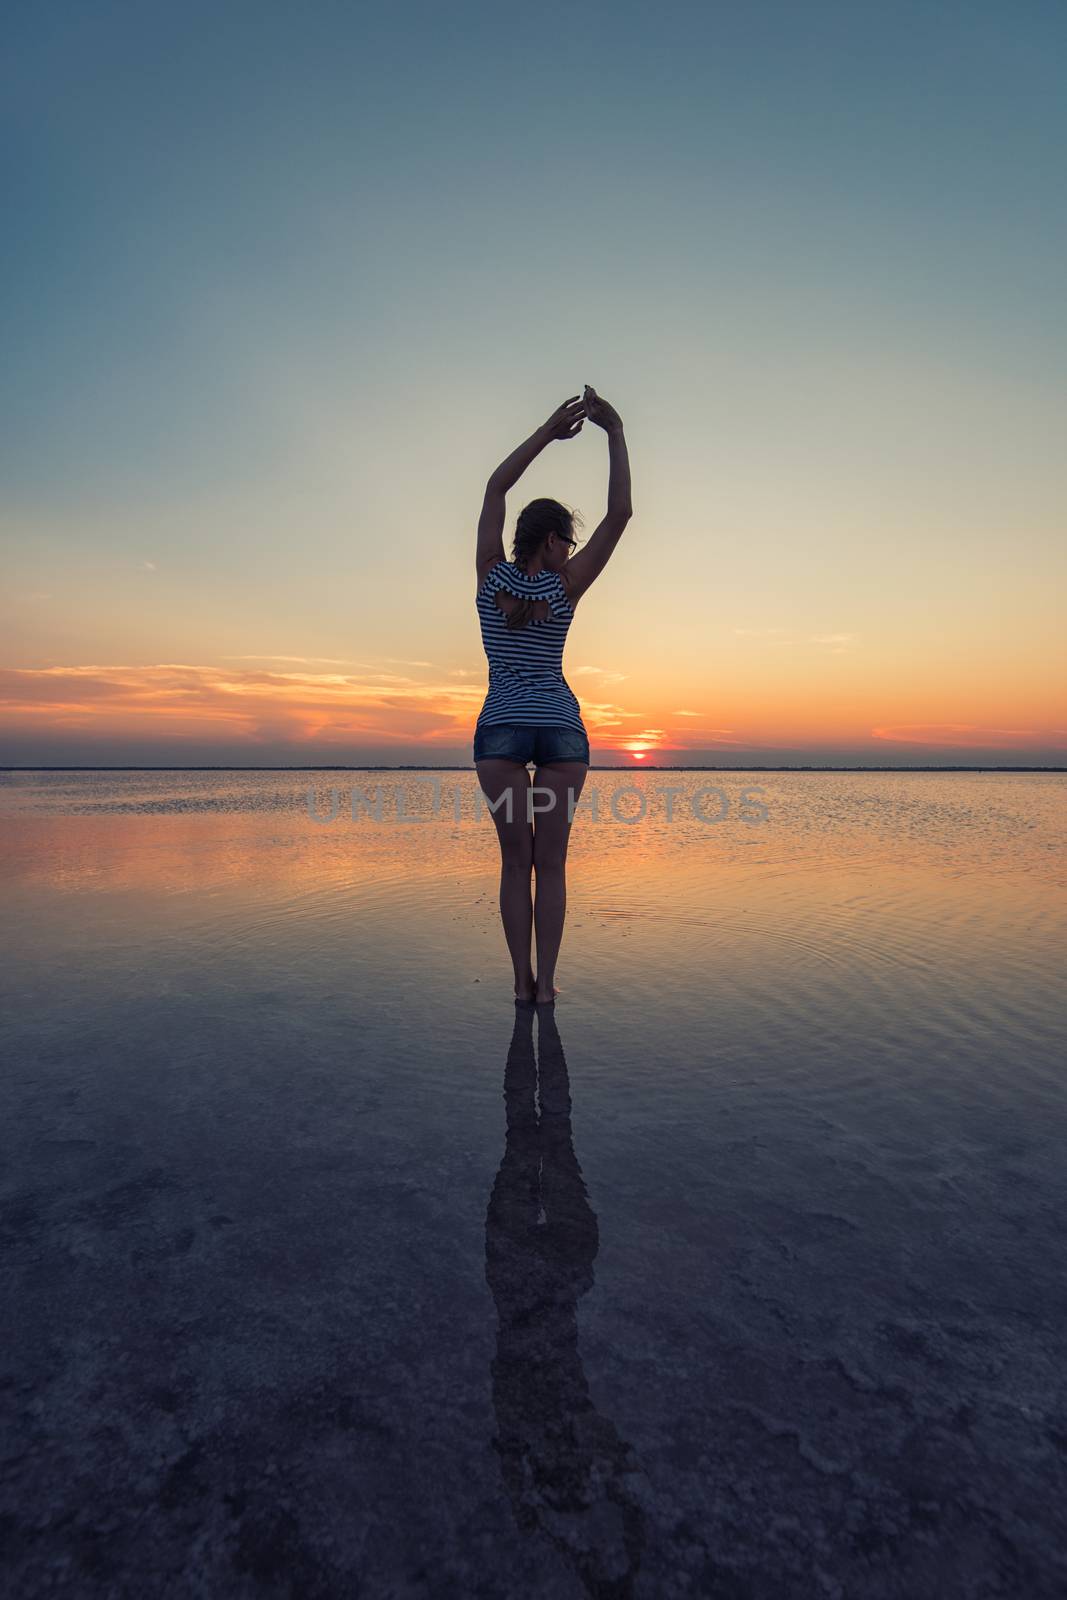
530 715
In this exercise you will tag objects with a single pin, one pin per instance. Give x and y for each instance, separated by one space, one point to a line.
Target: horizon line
593 767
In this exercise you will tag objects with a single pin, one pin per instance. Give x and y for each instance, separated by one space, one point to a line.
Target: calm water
738 1272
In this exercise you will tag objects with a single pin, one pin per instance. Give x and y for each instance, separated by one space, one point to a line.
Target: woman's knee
517 856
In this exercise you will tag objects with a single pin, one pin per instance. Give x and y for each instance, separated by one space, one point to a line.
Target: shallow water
737 1272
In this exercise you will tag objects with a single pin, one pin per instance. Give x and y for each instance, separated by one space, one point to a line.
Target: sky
284 283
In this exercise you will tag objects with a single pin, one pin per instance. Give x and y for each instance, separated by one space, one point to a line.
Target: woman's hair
536 522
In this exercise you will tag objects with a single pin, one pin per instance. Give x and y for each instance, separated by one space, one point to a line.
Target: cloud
54 686
757 633
602 673
698 738
680 713
836 643
599 714
338 661
249 701
176 700
326 661
960 735
149 566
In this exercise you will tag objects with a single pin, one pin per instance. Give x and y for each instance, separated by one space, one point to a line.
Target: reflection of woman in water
530 714
567 1472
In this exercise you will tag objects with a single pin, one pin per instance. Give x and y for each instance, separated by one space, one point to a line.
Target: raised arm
593 557
564 423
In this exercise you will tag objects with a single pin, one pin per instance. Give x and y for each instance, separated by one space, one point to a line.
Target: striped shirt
526 682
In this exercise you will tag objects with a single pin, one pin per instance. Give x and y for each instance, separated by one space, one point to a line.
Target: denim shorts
508 741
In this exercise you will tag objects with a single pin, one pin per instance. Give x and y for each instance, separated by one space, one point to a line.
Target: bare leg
497 778
551 834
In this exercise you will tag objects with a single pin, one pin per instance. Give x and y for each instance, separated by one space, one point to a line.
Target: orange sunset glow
304 713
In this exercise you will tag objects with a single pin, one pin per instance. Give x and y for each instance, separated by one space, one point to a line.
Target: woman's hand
566 422
599 411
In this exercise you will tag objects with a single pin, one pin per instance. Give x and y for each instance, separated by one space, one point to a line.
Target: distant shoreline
594 767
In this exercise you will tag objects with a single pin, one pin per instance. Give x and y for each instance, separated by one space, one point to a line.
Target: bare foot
524 992
545 998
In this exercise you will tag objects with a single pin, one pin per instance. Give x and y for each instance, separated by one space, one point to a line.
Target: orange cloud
245 704
963 735
253 705
236 704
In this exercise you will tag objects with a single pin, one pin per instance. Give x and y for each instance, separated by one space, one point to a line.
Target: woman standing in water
530 714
